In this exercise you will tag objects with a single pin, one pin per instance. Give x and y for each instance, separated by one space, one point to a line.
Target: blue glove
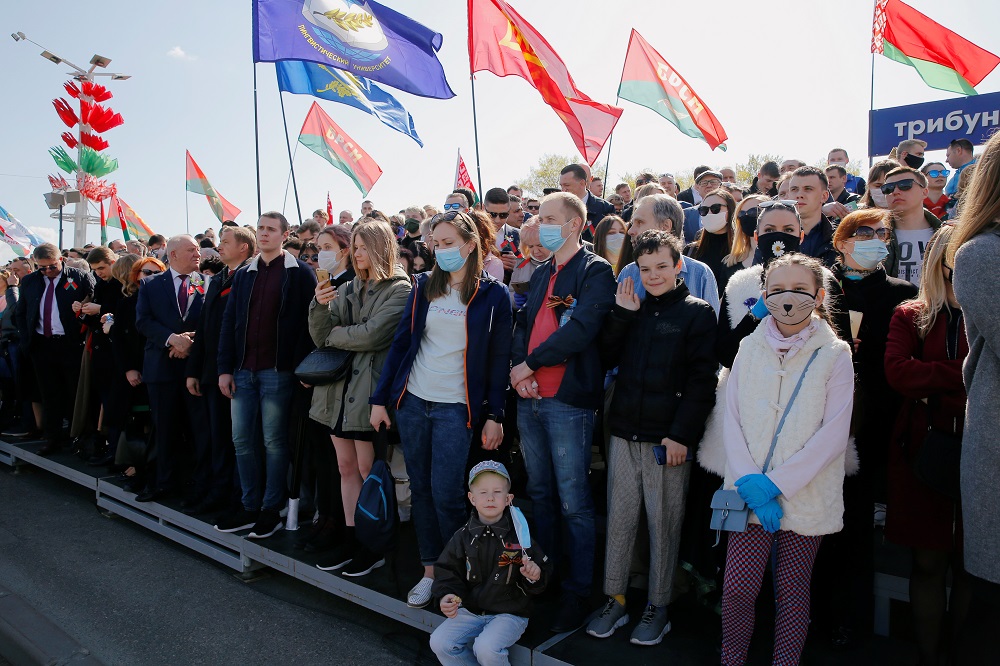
759 309
769 514
756 489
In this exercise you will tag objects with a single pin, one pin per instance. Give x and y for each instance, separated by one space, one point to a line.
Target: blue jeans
555 442
435 438
264 397
469 639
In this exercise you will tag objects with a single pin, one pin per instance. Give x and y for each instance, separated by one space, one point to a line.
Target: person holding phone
664 348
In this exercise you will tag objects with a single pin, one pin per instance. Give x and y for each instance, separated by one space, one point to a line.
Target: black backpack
375 516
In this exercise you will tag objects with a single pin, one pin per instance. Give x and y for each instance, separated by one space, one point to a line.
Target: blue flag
359 36
309 78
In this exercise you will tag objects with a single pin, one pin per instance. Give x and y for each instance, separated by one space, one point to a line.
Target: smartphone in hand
322 275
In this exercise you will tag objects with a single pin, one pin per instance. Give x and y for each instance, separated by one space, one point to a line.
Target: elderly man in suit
167 315
52 335
573 178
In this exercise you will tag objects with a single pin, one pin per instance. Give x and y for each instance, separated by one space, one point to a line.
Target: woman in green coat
360 316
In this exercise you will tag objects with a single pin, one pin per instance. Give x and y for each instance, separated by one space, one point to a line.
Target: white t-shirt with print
438 373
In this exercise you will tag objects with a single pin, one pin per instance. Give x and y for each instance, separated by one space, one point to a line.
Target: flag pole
475 132
871 108
291 165
256 135
607 165
187 216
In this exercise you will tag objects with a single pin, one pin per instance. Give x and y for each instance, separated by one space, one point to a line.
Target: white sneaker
420 595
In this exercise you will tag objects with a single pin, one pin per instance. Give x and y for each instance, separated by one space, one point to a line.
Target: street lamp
80 72
56 200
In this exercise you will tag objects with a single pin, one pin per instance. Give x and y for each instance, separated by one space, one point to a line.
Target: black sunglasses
785 204
533 207
149 271
714 209
502 216
307 257
904 185
50 267
867 233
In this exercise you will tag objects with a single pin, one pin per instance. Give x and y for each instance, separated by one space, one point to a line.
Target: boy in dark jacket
664 350
484 578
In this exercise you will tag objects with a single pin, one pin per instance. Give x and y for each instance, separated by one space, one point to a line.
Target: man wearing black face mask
779 231
911 152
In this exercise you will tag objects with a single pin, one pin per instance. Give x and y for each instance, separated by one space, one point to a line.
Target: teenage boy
485 578
664 349
912 225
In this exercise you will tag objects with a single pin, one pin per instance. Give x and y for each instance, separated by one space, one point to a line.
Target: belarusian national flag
944 60
648 80
122 215
462 177
322 136
198 183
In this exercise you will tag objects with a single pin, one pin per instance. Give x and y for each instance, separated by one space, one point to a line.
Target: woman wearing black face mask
743 251
778 232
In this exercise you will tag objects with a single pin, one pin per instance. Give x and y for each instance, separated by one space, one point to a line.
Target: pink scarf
786 347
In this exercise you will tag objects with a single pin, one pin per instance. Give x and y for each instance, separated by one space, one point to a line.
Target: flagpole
871 108
607 166
187 216
291 165
256 135
475 131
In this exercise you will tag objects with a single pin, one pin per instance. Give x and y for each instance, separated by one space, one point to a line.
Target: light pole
80 216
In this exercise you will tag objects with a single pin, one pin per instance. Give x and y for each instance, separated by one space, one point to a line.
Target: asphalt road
132 597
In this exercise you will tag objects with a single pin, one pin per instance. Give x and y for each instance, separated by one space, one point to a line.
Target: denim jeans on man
436 439
263 397
555 442
469 639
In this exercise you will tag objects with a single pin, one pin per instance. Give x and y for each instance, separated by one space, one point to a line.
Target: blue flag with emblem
309 78
358 36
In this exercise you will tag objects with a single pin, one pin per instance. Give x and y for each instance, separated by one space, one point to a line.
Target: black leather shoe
49 448
101 459
153 495
573 610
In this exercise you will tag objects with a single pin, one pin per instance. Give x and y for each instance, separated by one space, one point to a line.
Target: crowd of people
768 373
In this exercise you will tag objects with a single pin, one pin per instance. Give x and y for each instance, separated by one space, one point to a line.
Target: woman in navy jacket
446 371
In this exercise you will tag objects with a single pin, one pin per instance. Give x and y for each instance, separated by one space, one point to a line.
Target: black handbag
328 365
937 462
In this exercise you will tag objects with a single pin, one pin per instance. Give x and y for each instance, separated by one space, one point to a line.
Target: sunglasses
749 213
705 210
308 257
502 216
51 267
784 204
903 185
453 206
937 173
149 271
867 233
445 217
666 175
533 207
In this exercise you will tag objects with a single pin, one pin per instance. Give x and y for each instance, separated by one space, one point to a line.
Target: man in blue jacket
558 379
265 334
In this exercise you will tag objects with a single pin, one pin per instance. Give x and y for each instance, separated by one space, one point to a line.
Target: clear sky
789 77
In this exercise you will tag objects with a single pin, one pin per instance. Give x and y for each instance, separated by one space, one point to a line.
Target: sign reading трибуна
938 123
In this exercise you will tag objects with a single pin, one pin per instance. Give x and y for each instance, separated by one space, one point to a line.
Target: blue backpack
375 517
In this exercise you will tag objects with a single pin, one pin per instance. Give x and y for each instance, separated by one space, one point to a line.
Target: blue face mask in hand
551 236
869 253
450 259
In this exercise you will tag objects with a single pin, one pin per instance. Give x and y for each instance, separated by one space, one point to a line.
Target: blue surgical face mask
551 236
869 253
450 259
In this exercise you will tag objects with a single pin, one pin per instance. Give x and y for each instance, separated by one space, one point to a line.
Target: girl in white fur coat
798 497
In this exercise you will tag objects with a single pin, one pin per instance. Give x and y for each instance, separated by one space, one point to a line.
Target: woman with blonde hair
609 239
974 247
446 374
743 251
359 316
923 362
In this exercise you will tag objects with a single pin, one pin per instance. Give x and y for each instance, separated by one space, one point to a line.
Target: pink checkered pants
746 560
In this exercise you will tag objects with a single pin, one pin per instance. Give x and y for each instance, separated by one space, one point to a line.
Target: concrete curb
28 638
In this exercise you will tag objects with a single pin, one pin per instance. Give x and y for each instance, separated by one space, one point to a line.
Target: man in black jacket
236 246
663 348
559 381
573 179
52 335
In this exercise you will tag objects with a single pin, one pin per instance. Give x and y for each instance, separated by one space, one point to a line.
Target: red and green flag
944 60
322 136
649 81
132 226
198 183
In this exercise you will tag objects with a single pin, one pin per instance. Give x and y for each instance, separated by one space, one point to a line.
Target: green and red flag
132 226
944 59
198 183
649 81
322 136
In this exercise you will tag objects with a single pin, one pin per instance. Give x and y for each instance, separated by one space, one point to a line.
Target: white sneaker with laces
420 595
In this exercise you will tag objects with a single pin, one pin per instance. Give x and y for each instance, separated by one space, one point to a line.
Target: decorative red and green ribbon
322 136
944 59
198 183
648 80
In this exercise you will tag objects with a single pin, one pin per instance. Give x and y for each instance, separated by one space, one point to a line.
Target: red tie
182 296
50 293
